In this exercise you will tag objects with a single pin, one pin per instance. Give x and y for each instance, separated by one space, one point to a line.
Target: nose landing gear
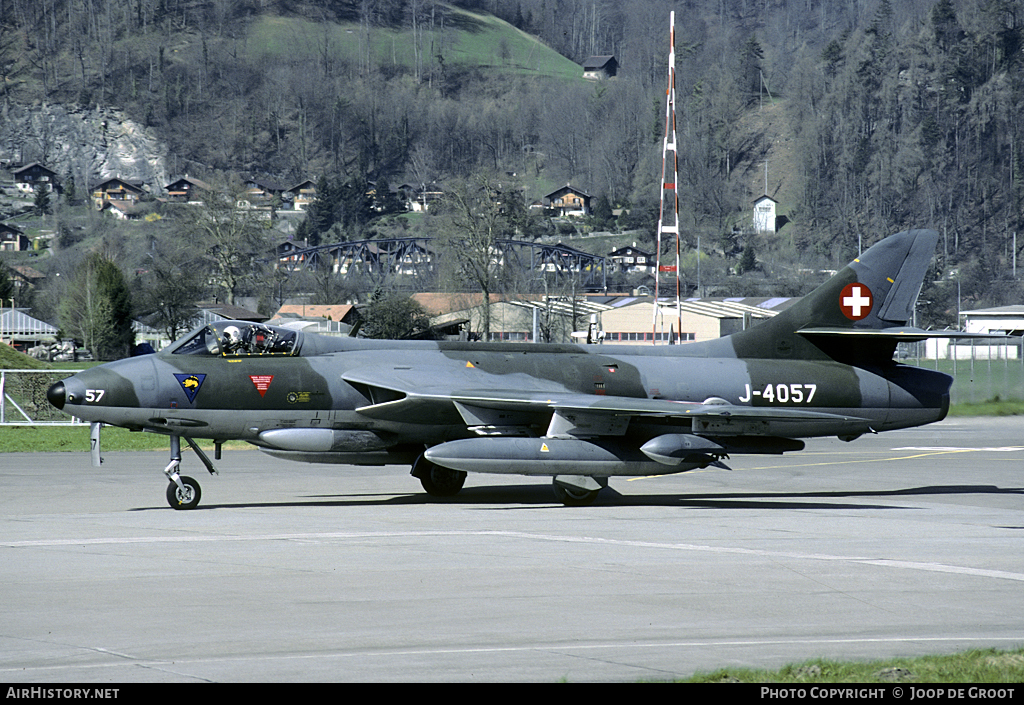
184 492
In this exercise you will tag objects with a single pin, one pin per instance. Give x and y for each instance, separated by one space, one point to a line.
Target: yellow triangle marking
470 364
544 448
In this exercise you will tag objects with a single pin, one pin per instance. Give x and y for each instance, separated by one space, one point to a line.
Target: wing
507 408
574 415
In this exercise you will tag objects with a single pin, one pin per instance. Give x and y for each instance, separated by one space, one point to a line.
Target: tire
188 499
439 481
573 497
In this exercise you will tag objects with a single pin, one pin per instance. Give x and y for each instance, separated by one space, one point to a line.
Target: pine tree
70 194
7 289
604 217
322 213
114 288
748 260
42 199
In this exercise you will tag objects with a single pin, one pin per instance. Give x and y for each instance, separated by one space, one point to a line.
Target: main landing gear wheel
574 496
438 481
186 497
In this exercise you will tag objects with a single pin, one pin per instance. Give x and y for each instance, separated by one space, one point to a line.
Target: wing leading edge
905 334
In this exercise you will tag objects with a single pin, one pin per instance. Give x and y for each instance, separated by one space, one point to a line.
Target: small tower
668 217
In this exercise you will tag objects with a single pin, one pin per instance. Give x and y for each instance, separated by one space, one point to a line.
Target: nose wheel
183 492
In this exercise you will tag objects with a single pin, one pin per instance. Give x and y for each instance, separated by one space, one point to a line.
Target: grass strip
974 666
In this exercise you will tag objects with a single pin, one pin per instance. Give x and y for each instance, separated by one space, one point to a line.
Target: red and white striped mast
668 217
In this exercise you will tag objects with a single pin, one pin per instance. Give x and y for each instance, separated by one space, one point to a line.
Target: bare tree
171 285
473 216
232 237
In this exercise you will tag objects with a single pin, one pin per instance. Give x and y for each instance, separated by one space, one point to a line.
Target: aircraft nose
57 395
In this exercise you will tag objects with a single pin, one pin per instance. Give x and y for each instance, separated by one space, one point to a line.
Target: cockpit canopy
238 339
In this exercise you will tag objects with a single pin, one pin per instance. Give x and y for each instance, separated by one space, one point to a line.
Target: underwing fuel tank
322 440
552 456
678 448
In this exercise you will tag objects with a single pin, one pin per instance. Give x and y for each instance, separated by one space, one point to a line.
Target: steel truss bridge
414 256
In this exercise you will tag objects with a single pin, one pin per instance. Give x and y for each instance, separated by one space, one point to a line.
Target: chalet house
117 190
287 254
28 177
262 192
123 210
764 214
301 195
187 190
13 240
569 201
289 247
600 68
631 259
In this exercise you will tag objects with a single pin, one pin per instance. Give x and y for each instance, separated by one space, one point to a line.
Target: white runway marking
558 648
962 449
338 536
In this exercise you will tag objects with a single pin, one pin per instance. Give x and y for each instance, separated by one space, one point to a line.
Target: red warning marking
262 382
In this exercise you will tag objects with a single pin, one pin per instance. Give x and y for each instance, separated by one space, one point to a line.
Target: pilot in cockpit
231 341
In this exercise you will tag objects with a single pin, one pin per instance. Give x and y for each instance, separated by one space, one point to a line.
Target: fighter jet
578 414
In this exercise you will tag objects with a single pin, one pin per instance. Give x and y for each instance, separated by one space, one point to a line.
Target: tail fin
856 315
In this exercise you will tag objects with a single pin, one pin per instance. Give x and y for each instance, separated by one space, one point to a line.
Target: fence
983 370
23 398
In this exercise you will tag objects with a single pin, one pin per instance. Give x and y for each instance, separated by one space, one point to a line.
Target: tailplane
857 316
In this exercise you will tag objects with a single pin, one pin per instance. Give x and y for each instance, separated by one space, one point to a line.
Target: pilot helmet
232 337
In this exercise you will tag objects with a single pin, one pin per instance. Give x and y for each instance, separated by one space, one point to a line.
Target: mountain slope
458 39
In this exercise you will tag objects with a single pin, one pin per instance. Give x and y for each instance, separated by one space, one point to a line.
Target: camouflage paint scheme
578 414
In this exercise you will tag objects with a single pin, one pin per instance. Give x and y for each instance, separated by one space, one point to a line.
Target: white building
764 214
1001 320
21 331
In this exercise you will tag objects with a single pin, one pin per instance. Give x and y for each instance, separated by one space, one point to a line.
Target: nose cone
57 395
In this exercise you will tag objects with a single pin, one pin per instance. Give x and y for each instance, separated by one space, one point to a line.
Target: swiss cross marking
855 301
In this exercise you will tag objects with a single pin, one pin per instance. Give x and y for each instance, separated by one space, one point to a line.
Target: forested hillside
873 115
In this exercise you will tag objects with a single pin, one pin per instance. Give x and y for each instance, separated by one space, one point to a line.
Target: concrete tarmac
906 543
